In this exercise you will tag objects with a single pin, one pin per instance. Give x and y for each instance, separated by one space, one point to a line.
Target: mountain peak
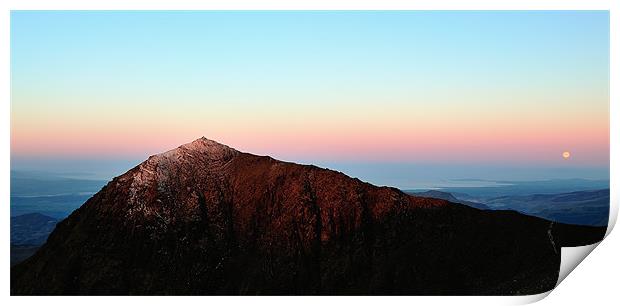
204 147
203 144
201 154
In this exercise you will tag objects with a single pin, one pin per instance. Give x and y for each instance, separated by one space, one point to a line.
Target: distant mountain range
590 207
207 219
521 188
580 207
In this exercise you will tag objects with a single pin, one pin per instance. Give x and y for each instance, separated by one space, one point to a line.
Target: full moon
566 155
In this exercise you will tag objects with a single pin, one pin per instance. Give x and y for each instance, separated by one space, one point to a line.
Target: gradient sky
460 90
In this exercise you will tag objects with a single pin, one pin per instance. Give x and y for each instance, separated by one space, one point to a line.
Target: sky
438 94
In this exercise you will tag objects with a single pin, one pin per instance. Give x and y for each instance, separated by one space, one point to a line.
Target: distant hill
522 188
589 207
580 207
28 233
56 206
20 253
436 194
49 194
31 229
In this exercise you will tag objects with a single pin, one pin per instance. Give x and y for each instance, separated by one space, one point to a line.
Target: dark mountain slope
206 219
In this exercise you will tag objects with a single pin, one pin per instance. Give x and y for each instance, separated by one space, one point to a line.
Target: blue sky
464 90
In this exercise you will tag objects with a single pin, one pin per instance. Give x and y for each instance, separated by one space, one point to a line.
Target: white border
581 291
313 5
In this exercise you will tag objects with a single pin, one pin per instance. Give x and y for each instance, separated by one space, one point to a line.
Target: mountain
31 229
581 207
209 220
28 233
20 253
436 194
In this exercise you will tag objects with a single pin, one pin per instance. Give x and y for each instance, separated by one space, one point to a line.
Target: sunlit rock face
207 219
